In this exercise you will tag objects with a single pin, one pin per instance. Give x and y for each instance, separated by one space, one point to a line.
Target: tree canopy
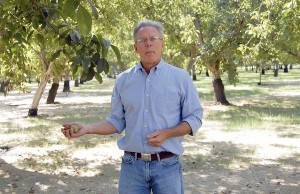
217 35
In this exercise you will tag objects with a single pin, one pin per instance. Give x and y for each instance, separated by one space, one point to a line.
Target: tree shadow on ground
226 168
14 180
230 168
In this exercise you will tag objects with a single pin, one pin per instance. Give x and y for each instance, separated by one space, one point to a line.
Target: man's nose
148 42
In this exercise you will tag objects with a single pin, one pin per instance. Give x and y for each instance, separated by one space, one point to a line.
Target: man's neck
149 66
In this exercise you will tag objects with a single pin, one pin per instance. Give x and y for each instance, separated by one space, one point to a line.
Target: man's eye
142 40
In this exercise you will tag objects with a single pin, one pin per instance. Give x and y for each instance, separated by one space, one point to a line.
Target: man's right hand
69 133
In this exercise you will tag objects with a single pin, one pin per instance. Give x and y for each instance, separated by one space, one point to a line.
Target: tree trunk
76 84
218 85
194 73
4 87
276 70
40 90
259 83
191 62
220 92
67 84
207 73
53 91
285 69
81 81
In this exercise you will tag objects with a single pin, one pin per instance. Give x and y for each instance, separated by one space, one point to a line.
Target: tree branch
198 26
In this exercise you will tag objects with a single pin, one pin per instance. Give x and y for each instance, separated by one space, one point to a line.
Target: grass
271 106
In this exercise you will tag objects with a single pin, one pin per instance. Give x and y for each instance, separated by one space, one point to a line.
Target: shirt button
148 80
147 95
146 126
146 110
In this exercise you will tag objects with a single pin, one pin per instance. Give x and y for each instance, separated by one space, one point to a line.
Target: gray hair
148 23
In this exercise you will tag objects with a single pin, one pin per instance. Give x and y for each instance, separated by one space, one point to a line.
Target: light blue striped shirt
143 104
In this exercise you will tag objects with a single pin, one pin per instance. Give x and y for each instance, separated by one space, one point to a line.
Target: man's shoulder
176 70
126 72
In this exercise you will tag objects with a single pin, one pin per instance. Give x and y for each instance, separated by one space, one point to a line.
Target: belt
151 157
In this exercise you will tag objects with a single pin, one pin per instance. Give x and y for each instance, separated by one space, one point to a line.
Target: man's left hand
157 138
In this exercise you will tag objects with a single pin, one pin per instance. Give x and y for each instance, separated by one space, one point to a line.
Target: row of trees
55 38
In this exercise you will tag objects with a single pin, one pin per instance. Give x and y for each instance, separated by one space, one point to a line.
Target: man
156 104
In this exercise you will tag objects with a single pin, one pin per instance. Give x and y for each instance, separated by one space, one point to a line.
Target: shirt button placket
147 104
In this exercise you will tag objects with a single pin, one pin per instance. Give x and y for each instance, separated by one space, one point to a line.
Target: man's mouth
149 52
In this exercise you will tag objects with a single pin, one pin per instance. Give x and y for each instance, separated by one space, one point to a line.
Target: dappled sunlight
295 93
231 164
25 181
250 147
218 108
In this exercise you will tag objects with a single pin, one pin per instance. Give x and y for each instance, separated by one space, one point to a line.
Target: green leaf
76 33
30 35
117 52
85 64
94 10
74 38
55 55
83 75
66 53
75 65
90 74
102 66
84 21
62 41
68 40
76 61
23 3
98 78
40 38
35 23
69 8
96 58
76 71
19 38
105 45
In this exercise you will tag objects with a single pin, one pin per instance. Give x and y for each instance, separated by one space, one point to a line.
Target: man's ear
135 48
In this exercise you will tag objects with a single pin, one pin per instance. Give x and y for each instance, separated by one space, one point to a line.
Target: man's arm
157 138
102 128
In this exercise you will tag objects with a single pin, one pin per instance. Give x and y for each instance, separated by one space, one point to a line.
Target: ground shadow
227 169
14 180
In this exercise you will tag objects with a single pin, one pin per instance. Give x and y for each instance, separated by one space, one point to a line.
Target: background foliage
215 35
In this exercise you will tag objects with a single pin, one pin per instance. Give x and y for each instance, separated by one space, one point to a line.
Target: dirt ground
215 160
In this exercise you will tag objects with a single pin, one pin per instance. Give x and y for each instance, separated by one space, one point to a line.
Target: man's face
149 45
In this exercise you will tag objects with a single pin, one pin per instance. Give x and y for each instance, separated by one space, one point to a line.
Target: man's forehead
147 29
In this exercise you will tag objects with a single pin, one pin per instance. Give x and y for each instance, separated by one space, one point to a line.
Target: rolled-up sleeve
192 111
117 115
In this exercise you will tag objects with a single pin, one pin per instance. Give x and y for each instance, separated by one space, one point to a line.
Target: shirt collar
158 67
